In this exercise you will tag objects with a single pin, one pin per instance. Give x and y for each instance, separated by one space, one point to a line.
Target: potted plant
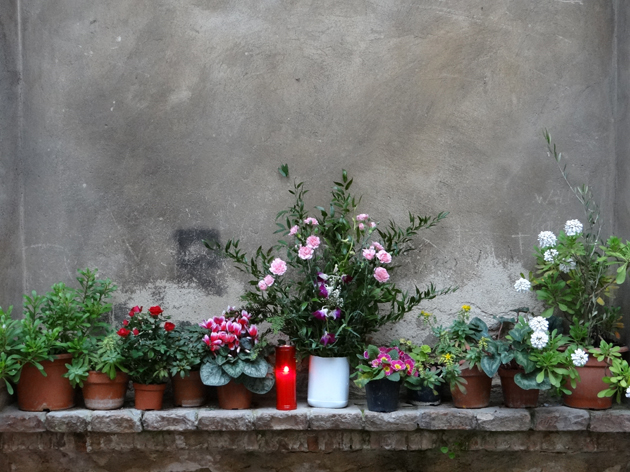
234 362
576 278
186 351
331 289
617 381
461 350
428 377
55 328
145 348
9 356
382 371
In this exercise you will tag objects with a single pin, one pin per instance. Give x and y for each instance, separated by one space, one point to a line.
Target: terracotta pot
513 395
53 392
234 396
477 390
590 384
189 391
102 393
149 396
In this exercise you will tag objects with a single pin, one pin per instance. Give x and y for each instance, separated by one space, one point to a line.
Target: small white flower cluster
628 392
550 255
573 227
567 266
546 239
522 285
579 358
539 324
539 339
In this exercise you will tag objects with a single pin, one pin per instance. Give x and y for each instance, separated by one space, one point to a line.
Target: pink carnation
378 246
361 226
369 253
313 241
384 256
311 221
268 280
294 230
262 285
363 217
305 252
380 274
372 224
278 266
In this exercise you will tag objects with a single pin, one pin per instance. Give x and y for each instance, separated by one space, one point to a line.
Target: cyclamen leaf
258 385
256 369
213 375
234 369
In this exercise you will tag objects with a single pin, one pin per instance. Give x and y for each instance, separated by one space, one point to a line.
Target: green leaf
257 369
527 381
213 375
234 369
258 385
490 365
284 170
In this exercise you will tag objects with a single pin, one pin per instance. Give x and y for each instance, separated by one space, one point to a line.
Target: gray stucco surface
150 125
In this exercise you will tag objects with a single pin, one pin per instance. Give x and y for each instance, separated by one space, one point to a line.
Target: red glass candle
286 396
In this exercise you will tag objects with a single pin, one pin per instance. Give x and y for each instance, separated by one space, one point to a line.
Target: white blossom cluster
550 255
573 227
546 239
567 266
579 358
539 339
539 324
522 285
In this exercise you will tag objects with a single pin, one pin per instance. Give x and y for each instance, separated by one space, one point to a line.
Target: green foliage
9 349
186 350
618 381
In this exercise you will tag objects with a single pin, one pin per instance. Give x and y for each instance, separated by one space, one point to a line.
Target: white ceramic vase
328 382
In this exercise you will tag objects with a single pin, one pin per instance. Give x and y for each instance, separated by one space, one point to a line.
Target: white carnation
567 266
546 239
522 285
572 227
539 324
539 339
579 358
550 255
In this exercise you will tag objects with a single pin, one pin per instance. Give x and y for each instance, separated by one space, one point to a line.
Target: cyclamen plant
235 353
389 363
332 289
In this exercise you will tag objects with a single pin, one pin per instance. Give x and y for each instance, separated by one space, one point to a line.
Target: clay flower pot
188 391
477 390
102 393
234 396
53 392
590 384
382 395
149 396
513 395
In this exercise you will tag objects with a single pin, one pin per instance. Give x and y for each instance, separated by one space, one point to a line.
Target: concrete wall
151 124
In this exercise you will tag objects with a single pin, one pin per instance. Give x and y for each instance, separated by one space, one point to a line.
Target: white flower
579 358
539 324
522 285
628 392
567 266
546 239
550 255
573 227
539 339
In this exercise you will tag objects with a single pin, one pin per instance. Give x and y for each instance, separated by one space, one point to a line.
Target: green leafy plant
9 353
187 350
428 373
618 381
384 362
332 289
235 353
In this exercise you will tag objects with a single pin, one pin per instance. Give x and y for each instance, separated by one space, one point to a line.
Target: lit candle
286 396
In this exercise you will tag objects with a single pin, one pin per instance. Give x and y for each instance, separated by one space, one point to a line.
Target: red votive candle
286 396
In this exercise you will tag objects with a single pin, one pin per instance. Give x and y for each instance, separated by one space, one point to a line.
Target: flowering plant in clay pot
332 286
234 353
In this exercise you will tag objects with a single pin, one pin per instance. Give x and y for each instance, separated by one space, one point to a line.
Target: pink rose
313 241
363 217
262 285
278 266
311 221
293 231
268 280
369 253
380 274
361 226
305 252
378 246
384 256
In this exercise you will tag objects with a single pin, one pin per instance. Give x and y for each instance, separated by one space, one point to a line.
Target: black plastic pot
382 395
424 395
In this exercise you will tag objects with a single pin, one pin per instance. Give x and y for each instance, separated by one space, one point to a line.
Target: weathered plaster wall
149 125
10 190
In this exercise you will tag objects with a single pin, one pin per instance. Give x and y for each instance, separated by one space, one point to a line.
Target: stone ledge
353 418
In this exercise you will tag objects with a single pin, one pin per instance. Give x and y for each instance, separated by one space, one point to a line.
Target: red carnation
155 310
123 332
135 310
136 332
168 326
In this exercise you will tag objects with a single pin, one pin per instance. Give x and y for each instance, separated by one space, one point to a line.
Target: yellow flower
425 314
447 359
483 343
466 308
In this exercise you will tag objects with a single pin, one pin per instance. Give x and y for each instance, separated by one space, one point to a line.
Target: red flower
136 332
135 310
168 326
123 332
155 310
125 322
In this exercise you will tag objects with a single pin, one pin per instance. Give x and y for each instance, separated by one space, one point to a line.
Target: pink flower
363 217
294 229
207 324
369 253
384 256
322 291
376 363
336 313
327 338
305 252
321 314
311 221
253 331
380 274
278 266
378 246
269 280
361 226
262 285
313 241
372 224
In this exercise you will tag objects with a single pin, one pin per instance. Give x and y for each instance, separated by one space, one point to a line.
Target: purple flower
336 313
321 314
327 338
321 277
323 292
366 355
346 279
